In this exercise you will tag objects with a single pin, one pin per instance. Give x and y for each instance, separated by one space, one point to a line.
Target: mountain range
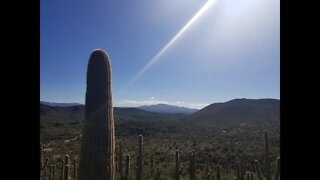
237 110
165 108
240 110
238 113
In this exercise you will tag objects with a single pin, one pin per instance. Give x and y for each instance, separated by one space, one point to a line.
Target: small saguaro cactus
192 169
74 168
62 170
208 176
267 156
140 159
66 167
177 166
127 171
98 140
66 160
66 172
218 173
258 169
251 175
277 170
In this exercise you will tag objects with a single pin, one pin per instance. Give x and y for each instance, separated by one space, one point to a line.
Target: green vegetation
162 136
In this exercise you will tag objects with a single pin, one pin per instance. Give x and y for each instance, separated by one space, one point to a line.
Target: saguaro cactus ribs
97 146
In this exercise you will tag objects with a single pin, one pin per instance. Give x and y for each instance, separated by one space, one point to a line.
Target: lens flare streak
204 8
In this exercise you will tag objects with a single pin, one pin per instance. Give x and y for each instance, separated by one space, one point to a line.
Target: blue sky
230 50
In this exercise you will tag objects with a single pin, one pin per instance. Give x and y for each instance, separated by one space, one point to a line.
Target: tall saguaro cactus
267 156
97 146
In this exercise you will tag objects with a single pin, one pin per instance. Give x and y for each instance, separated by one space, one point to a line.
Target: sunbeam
171 42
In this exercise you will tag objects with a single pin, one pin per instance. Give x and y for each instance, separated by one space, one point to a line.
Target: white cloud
153 101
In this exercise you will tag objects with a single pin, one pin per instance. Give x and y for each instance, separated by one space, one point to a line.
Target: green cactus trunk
177 166
267 156
192 168
127 171
66 167
98 143
251 175
208 176
74 168
277 170
62 170
66 160
140 159
66 172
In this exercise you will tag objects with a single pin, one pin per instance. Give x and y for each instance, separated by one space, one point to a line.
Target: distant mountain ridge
55 104
240 111
234 112
159 108
165 108
72 113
